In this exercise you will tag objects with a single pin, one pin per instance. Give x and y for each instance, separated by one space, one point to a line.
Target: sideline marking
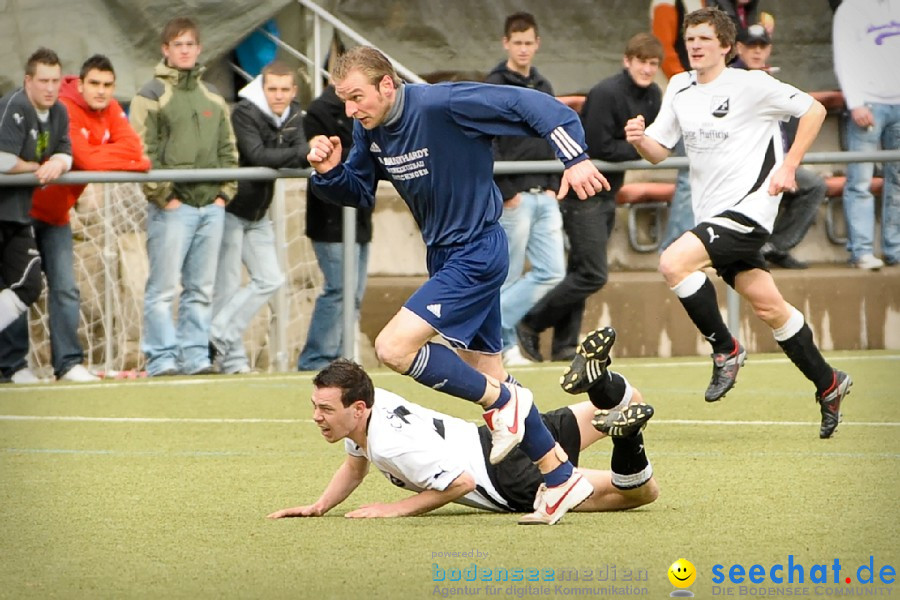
264 379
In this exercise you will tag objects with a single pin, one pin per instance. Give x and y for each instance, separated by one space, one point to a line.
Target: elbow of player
465 483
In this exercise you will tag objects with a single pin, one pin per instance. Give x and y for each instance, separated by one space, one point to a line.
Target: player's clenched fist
324 153
634 129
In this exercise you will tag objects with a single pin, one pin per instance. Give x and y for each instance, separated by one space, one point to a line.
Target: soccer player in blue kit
433 142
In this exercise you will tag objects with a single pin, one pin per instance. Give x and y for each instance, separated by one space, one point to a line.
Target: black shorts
733 242
516 477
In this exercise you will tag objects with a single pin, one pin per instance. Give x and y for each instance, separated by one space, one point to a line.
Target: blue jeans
534 229
859 204
54 242
182 247
681 213
253 244
324 341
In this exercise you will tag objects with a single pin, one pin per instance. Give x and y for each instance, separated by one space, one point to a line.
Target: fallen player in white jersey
444 459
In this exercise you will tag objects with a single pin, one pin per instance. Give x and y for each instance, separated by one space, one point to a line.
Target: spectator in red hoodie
102 140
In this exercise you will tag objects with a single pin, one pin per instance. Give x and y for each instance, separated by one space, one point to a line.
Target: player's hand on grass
374 511
584 179
324 153
310 510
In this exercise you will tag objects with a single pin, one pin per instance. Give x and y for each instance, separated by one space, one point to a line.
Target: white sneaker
507 424
513 357
25 376
79 374
551 503
869 262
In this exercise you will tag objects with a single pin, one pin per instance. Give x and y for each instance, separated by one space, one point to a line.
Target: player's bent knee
388 351
670 268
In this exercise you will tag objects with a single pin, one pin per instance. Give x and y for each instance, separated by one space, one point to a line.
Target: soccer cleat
551 503
725 370
590 362
622 423
79 374
529 342
507 424
830 403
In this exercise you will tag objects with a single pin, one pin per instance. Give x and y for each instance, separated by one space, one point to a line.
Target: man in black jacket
269 132
589 223
531 216
324 226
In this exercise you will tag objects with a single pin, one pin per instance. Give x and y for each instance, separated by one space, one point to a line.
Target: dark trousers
588 225
798 210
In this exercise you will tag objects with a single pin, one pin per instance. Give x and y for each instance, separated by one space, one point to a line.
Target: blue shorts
461 299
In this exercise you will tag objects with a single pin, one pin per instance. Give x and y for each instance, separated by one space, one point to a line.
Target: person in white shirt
729 121
444 459
866 46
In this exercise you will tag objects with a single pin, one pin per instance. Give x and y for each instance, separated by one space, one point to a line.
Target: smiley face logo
682 573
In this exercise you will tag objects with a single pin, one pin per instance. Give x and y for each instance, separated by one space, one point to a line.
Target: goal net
108 226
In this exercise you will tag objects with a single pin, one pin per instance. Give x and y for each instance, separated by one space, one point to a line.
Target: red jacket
101 141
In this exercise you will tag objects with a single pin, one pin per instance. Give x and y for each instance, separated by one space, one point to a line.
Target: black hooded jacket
522 148
262 143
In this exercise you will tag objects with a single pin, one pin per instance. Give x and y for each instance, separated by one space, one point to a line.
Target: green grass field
159 489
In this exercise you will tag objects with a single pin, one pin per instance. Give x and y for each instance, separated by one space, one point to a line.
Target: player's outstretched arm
346 479
647 147
423 502
584 179
324 153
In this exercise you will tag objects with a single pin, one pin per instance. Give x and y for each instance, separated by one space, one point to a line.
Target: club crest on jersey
719 106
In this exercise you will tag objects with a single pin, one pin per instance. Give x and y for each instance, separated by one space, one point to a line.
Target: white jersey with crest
732 137
420 449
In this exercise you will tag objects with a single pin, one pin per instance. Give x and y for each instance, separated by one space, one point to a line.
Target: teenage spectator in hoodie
325 228
102 140
34 138
589 223
866 48
268 127
531 215
184 124
798 208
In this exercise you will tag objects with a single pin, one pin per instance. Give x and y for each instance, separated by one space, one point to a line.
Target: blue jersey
438 154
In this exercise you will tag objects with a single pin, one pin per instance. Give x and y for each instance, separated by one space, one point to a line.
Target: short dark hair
520 21
346 375
43 56
720 21
278 68
367 60
178 26
644 46
97 62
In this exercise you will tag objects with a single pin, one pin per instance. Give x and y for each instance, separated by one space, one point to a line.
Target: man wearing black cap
798 209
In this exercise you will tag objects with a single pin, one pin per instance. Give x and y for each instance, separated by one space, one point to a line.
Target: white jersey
732 137
420 449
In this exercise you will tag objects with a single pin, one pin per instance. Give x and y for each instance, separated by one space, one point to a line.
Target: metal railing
280 304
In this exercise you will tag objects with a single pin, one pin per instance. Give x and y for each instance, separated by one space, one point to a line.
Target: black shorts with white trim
732 241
